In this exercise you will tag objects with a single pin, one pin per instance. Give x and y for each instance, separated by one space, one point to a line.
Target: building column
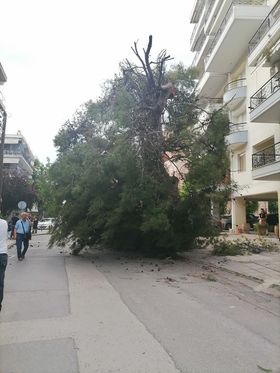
215 209
238 212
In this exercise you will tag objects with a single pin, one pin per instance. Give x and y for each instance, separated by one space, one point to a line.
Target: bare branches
135 50
148 65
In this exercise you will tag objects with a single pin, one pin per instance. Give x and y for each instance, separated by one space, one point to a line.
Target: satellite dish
22 205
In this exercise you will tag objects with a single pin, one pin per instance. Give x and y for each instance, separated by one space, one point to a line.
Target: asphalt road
105 313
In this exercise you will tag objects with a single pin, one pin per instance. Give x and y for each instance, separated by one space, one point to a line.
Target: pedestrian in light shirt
3 256
22 229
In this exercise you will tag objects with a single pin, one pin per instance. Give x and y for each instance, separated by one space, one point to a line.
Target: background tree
273 207
43 188
17 188
252 207
110 183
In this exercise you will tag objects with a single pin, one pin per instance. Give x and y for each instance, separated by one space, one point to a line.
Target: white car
46 223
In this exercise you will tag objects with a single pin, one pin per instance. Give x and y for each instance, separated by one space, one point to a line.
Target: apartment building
237 45
3 79
17 155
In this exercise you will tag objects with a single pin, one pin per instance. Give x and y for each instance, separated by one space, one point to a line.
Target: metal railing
214 100
12 152
266 25
200 41
267 90
208 10
235 84
237 127
226 19
198 53
193 32
197 9
18 153
266 156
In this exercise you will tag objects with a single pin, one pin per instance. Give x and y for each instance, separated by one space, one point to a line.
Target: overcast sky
57 53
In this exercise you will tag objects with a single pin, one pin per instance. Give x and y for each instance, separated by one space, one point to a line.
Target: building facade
17 155
3 79
237 45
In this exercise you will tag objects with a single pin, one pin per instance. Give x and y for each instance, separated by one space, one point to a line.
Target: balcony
198 36
235 94
212 13
210 84
196 11
210 104
2 106
265 103
3 77
266 163
17 158
231 40
198 61
238 135
266 36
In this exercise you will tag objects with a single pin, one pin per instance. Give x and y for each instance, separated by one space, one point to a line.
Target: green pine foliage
110 186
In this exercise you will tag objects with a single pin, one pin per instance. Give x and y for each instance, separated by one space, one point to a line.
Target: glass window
242 162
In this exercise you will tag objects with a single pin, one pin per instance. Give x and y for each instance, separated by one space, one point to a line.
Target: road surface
105 313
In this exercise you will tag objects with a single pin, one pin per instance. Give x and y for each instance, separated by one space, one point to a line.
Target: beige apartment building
17 156
237 45
3 79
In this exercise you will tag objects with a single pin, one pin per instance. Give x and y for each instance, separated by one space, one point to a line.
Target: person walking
3 256
35 225
13 221
262 217
23 235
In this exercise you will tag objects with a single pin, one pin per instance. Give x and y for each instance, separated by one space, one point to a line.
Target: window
242 162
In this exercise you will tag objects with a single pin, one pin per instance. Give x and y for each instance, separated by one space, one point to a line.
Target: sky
58 53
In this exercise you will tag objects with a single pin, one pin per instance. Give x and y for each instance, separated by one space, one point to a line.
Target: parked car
46 223
226 221
252 219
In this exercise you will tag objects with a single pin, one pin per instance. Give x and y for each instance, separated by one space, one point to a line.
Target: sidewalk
61 315
263 268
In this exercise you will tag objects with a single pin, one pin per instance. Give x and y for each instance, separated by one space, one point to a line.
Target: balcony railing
200 42
235 84
197 10
266 156
198 53
237 127
214 101
226 19
12 152
208 10
267 90
266 25
194 32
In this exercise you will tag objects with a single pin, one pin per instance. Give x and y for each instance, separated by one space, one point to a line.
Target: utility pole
3 121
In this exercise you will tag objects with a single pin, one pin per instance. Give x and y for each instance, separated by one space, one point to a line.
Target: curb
253 278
